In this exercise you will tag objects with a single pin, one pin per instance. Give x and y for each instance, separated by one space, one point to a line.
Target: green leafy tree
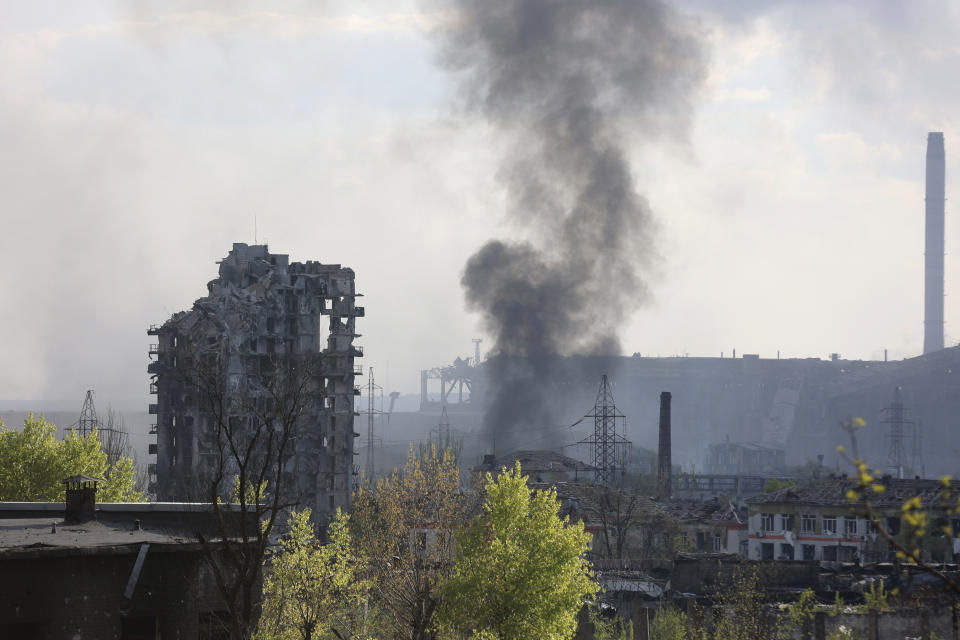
669 623
610 627
403 527
741 599
520 570
33 464
310 590
800 616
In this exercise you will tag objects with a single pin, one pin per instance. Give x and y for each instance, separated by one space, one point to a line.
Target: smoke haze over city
138 145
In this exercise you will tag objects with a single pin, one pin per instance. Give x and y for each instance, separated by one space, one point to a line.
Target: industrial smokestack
933 256
664 483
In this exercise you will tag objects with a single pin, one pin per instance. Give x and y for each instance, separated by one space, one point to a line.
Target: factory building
271 343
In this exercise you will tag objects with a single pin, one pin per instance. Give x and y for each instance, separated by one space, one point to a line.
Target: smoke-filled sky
138 140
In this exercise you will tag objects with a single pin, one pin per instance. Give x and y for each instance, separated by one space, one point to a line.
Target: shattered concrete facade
261 313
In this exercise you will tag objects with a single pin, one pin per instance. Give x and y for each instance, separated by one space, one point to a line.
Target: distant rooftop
833 492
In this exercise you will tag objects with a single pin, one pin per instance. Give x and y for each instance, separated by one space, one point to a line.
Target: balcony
153 388
154 330
356 351
358 369
153 409
154 350
152 449
153 430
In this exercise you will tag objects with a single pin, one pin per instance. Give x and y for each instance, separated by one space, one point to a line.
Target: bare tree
619 510
115 437
404 527
251 407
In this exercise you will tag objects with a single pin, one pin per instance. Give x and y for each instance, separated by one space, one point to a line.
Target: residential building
816 521
233 359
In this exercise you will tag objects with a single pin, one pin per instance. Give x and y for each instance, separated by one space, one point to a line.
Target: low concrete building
131 571
710 526
817 521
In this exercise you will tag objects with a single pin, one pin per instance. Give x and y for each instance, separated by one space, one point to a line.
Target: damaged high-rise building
258 352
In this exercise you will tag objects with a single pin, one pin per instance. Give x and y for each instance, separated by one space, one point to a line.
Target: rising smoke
567 83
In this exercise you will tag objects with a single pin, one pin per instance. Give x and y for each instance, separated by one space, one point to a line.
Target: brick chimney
81 498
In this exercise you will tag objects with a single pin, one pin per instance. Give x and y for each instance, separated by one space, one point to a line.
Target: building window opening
829 525
849 526
766 522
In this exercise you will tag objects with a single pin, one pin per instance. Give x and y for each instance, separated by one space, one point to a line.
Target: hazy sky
137 144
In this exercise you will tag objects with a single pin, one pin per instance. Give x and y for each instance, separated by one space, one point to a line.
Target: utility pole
372 390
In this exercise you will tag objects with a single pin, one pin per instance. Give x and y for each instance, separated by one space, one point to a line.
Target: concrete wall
82 596
700 574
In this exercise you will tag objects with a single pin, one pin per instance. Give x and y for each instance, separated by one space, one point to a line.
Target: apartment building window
717 542
809 552
829 525
849 526
766 522
808 523
766 551
786 521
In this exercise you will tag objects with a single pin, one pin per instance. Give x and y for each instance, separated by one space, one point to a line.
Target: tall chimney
933 256
664 484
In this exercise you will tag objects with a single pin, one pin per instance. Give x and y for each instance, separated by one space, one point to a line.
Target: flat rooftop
33 529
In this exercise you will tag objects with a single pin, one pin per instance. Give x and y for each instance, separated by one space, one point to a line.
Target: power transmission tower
443 429
897 417
88 416
373 390
609 447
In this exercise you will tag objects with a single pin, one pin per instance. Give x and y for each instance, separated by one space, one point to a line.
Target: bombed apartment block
267 358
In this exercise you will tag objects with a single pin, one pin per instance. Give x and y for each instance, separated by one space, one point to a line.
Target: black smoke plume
570 85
